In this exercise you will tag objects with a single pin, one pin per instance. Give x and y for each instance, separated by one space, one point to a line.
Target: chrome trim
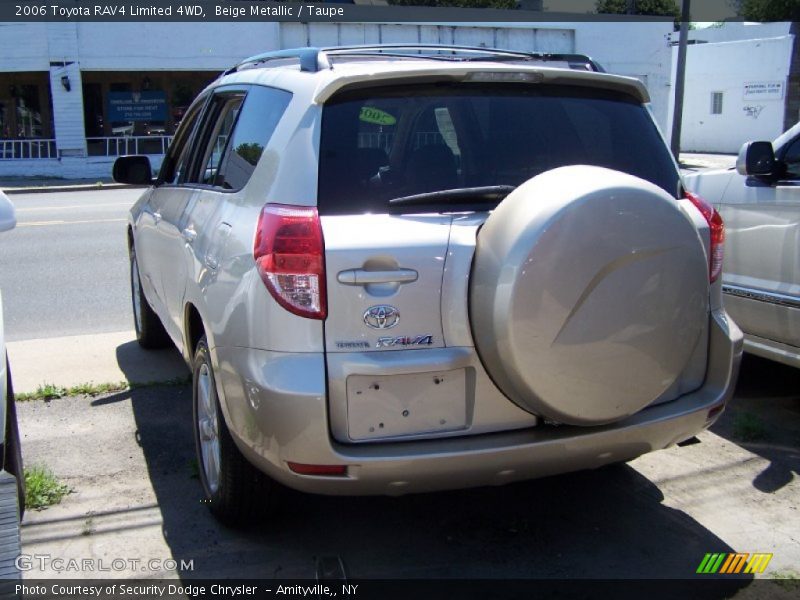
381 316
762 296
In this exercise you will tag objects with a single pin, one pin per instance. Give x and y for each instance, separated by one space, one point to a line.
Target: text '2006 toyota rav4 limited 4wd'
400 269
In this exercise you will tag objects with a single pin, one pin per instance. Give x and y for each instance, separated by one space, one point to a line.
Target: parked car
12 481
760 203
402 269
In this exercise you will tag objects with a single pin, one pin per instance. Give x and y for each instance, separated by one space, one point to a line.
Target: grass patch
749 427
49 391
42 489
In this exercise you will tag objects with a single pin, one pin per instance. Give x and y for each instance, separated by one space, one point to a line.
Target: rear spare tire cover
588 294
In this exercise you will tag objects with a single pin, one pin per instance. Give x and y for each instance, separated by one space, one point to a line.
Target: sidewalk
32 185
97 358
696 161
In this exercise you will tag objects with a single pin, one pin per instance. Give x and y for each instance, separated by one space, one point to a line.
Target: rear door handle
156 217
189 235
362 277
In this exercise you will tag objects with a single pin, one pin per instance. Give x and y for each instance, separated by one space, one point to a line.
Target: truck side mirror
756 158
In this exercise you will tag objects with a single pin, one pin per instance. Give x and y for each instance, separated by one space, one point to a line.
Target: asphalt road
64 269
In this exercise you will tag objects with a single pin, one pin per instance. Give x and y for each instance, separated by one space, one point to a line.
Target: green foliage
769 10
42 489
49 391
458 3
661 8
749 427
250 152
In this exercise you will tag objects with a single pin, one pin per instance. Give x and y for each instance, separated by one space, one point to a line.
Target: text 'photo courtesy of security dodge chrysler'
400 269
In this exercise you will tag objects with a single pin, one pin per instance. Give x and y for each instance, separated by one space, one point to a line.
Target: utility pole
680 76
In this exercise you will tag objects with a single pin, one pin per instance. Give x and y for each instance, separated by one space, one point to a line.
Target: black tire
150 332
241 494
12 457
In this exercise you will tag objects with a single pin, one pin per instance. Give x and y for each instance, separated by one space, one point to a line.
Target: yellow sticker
376 116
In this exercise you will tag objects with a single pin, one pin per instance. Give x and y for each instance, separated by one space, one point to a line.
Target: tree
768 10
661 8
458 3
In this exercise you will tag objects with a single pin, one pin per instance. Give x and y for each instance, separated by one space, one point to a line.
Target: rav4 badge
404 340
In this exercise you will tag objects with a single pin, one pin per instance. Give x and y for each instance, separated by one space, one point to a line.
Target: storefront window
29 115
25 107
137 112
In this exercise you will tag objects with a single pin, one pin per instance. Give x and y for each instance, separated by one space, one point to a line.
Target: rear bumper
275 407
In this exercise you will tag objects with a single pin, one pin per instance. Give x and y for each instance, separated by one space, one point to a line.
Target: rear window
393 142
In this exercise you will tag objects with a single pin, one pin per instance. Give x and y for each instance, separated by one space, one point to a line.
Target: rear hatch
408 175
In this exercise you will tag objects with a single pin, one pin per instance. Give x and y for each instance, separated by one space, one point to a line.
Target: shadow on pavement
764 418
148 366
609 523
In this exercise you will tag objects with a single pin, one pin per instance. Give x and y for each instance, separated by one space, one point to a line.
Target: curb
69 188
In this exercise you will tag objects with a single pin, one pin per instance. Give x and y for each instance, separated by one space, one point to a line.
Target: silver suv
402 269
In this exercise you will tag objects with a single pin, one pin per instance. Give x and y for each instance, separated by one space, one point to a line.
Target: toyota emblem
382 316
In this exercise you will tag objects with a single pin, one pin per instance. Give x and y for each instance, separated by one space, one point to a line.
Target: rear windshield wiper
487 193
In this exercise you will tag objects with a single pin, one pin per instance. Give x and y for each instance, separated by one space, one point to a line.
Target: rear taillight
717 231
290 257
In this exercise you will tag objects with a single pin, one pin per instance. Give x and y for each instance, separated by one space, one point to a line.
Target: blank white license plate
388 406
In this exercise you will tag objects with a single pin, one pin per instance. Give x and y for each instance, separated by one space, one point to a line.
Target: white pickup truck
760 203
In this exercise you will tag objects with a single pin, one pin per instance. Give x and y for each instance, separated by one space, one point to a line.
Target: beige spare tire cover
588 294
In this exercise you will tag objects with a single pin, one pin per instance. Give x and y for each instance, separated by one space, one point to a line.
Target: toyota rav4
402 269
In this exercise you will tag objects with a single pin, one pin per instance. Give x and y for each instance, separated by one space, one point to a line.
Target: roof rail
316 59
309 59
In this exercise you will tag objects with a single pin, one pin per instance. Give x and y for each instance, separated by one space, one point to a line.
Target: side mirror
133 169
8 219
756 158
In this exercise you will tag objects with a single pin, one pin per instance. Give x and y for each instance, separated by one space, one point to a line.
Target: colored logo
729 563
382 316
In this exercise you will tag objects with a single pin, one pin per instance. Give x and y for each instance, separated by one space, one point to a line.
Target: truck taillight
717 231
290 257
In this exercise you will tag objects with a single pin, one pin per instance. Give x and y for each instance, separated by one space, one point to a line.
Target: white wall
67 168
171 46
726 67
62 42
638 50
23 47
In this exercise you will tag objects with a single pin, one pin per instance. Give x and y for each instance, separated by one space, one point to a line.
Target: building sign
137 106
763 90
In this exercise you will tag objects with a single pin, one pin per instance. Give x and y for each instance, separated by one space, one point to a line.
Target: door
177 234
762 251
168 196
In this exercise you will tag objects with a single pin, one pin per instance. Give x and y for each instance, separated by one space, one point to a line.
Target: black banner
272 10
369 589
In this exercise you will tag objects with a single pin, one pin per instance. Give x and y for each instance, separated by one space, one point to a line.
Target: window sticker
376 116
